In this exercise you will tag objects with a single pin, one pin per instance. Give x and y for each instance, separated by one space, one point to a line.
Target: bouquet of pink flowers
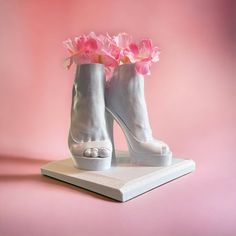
112 51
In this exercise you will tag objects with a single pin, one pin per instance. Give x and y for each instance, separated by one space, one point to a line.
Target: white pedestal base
123 181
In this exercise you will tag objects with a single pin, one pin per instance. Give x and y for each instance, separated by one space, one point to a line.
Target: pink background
191 98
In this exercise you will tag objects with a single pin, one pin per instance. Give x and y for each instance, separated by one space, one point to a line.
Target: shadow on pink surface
24 169
19 165
21 160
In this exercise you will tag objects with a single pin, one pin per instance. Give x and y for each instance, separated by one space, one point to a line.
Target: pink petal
69 45
92 35
80 42
155 54
143 67
128 57
84 59
98 38
115 52
145 48
112 51
109 61
91 45
134 48
123 40
110 38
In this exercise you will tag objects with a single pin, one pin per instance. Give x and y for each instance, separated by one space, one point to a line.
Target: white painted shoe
88 140
125 103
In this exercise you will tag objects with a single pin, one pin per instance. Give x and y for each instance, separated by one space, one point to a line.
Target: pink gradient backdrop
191 98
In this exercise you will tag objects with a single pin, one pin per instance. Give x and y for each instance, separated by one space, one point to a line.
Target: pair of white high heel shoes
94 108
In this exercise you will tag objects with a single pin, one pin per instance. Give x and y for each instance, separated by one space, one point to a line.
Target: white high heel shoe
125 103
88 139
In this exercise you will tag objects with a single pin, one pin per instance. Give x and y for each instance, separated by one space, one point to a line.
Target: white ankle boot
88 139
125 103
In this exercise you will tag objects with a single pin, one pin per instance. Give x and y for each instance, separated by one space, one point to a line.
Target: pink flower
143 67
143 54
92 49
122 40
108 51
72 50
112 51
